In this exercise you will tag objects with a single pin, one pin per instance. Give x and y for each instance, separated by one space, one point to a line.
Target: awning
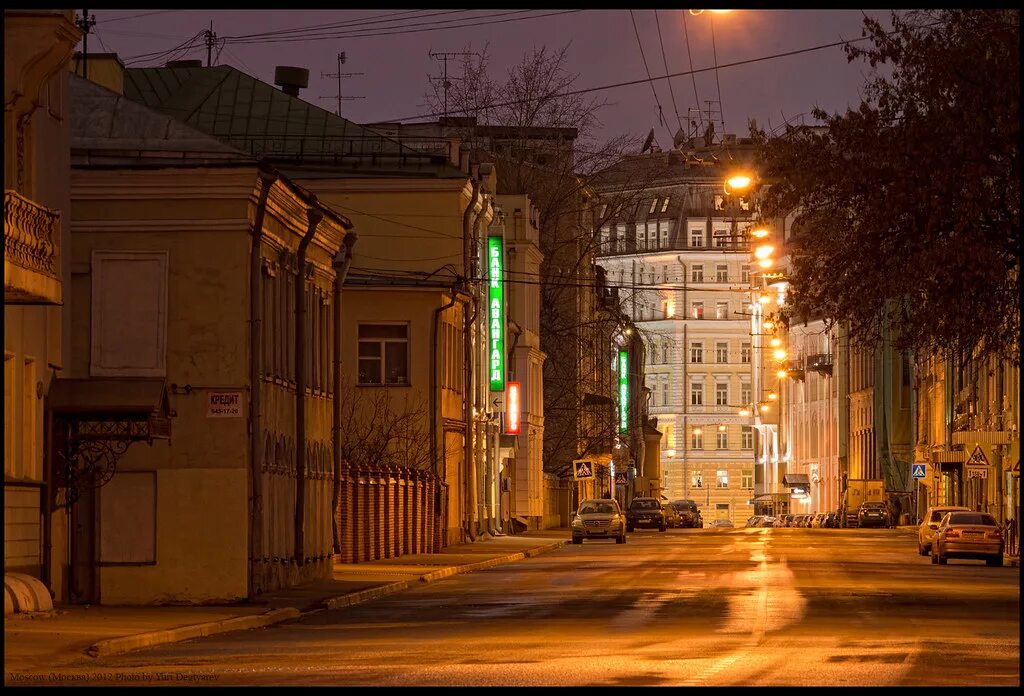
795 480
981 437
950 456
102 396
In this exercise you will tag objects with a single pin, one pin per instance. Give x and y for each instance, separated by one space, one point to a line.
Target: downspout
433 384
342 261
314 217
467 367
255 381
686 389
482 439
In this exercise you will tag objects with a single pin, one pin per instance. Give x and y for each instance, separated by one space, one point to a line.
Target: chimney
464 158
184 64
291 79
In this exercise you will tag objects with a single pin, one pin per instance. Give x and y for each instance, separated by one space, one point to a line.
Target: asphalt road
685 607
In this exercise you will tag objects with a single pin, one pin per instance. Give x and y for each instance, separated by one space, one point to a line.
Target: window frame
382 342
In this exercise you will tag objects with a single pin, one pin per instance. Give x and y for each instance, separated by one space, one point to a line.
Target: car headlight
577 521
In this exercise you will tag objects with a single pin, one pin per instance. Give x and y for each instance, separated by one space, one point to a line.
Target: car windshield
644 505
597 509
685 506
937 515
972 518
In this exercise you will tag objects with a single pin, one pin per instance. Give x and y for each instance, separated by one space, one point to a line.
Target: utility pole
339 75
211 40
444 56
85 22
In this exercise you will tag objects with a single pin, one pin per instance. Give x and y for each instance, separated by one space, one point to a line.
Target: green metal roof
261 120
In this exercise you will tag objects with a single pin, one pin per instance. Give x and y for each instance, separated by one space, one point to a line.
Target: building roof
103 121
263 121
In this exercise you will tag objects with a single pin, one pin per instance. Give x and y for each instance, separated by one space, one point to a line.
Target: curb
114 646
373 593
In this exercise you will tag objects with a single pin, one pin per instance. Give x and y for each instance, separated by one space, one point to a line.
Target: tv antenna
339 75
445 82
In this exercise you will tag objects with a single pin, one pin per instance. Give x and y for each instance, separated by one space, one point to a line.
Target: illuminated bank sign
496 314
623 391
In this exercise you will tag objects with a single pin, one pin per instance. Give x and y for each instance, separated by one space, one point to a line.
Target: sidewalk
72 633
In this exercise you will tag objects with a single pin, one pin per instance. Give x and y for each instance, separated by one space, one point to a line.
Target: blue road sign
583 469
917 471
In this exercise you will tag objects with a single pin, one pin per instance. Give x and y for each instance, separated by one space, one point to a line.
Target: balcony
795 369
820 363
31 235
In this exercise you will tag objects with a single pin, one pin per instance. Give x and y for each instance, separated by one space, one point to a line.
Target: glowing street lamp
759 233
781 374
763 251
779 354
744 412
775 342
766 263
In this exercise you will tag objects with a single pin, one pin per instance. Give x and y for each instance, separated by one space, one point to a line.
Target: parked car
930 523
782 521
805 521
817 521
767 521
872 514
672 517
646 513
968 535
754 521
722 524
599 518
831 520
689 513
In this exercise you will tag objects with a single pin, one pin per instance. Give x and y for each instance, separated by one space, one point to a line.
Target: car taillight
994 535
952 533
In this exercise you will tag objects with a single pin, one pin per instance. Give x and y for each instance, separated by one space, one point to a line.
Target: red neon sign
512 409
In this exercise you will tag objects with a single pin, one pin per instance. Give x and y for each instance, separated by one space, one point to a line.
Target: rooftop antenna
211 40
85 22
339 75
446 83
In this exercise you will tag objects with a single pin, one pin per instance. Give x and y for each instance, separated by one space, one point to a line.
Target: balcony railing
31 233
628 246
821 363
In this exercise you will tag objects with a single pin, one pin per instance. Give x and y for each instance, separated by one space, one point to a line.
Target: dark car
689 513
831 520
671 514
872 515
646 513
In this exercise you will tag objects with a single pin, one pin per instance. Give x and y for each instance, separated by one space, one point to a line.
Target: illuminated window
697 310
721 310
747 479
697 440
723 478
654 204
664 204
696 479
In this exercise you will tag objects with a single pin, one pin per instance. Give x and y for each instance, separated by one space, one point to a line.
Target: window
722 352
721 310
744 275
745 393
696 352
747 479
696 237
605 240
664 274
721 238
129 314
723 478
663 227
384 354
697 310
664 204
664 353
719 202
697 440
666 437
721 393
663 379
722 440
697 273
721 273
747 433
641 237
744 352
652 352
696 393
696 479
654 204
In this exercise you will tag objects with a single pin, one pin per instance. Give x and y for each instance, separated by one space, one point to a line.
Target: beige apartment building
203 288
37 47
675 253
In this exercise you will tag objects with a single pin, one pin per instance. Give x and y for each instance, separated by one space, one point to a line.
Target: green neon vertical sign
496 313
623 391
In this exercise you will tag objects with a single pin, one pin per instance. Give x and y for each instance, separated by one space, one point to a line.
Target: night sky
604 50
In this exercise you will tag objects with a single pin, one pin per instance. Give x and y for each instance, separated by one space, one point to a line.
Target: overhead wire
636 32
714 53
374 19
664 59
693 75
134 16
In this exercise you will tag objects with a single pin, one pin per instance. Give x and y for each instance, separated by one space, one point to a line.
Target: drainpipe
341 263
686 389
468 392
255 380
314 217
433 384
482 439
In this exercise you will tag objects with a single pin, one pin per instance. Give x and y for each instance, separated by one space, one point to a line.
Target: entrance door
84 572
722 511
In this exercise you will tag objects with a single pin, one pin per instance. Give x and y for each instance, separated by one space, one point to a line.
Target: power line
630 83
664 59
693 76
374 19
639 43
135 16
714 53
356 34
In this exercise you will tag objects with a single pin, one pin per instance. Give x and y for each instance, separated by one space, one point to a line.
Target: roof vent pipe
291 79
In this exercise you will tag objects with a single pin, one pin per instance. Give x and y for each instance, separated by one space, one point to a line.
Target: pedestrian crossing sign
977 457
582 469
918 471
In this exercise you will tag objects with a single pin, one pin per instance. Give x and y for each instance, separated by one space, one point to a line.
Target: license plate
645 519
